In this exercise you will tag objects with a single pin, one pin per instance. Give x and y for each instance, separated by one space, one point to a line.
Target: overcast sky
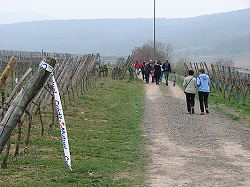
28 10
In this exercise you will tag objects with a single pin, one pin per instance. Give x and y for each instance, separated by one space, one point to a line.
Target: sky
30 10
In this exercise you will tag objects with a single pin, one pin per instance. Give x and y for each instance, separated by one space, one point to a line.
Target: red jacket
137 65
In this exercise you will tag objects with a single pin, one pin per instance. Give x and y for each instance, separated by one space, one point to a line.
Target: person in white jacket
190 90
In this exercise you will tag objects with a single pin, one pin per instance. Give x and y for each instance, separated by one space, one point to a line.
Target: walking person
157 72
190 90
137 68
153 72
166 70
174 78
147 72
143 70
203 84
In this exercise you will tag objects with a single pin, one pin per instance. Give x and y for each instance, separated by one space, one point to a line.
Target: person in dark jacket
147 72
203 84
152 65
157 72
166 70
143 70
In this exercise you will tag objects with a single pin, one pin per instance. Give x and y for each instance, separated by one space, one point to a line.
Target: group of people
156 70
202 83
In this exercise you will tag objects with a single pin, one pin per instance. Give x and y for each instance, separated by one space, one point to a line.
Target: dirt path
192 150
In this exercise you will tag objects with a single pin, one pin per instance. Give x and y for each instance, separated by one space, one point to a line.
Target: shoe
188 112
207 111
202 113
192 110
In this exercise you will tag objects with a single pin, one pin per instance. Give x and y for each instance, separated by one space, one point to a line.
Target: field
105 137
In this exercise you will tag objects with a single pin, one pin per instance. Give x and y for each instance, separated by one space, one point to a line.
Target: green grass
105 137
238 111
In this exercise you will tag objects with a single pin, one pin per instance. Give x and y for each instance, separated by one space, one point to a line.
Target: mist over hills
223 34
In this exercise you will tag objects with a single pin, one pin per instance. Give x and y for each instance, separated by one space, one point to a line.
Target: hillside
223 34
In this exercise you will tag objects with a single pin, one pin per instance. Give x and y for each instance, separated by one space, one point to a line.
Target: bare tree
179 66
163 51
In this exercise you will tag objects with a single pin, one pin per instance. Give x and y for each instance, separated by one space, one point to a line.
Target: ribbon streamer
60 115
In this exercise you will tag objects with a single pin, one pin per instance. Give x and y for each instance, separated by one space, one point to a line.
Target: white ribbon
60 115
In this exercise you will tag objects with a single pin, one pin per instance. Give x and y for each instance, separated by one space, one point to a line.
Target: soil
192 150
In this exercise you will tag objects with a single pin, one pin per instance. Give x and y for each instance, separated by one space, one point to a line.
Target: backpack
166 67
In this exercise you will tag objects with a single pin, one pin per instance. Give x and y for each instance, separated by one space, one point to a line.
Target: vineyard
26 89
104 117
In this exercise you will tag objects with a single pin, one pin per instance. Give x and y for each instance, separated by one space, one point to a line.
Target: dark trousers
147 77
157 78
143 75
153 78
190 101
203 98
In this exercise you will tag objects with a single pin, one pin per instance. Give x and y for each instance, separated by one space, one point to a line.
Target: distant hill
223 34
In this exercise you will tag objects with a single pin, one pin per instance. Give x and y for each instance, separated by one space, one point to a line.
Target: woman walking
190 90
157 72
203 83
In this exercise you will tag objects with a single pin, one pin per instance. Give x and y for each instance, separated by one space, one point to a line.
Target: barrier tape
60 115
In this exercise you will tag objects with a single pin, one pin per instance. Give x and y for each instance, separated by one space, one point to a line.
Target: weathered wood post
7 71
20 103
186 69
16 89
230 83
215 79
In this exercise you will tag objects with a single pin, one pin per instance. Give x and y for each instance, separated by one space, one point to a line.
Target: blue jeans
137 71
166 74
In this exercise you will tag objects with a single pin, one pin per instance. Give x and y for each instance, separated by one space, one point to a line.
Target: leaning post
21 102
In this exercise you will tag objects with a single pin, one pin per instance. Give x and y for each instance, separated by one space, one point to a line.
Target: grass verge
237 111
105 137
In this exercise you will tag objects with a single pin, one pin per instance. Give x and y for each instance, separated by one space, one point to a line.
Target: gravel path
192 150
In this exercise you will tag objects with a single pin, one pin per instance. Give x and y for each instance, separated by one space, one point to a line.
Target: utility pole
154 31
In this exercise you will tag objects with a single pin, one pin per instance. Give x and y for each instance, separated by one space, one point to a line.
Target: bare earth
192 150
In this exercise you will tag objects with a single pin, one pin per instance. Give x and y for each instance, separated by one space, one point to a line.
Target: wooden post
186 68
214 78
191 66
7 71
18 138
20 103
5 158
224 81
231 83
16 89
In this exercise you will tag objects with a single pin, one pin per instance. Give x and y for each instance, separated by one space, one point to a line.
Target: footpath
192 150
